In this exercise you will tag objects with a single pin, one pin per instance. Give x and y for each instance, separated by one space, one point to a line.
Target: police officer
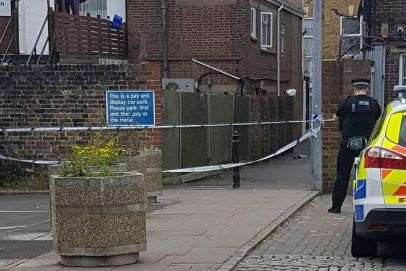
358 115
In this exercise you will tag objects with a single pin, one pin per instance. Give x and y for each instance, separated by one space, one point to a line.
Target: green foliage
95 158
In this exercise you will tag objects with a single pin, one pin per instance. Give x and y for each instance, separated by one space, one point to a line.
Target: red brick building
239 36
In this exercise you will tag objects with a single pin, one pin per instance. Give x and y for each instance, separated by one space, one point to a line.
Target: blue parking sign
130 108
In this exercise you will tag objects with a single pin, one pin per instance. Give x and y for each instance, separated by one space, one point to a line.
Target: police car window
402 136
377 128
396 128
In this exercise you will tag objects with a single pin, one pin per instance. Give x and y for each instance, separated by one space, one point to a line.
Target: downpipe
279 49
164 38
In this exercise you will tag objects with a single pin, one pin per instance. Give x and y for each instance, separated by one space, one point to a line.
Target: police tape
312 133
194 169
289 146
26 161
101 128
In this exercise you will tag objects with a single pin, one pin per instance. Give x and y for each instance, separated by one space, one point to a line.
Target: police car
379 190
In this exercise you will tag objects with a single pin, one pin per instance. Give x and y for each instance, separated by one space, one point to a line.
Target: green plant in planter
101 153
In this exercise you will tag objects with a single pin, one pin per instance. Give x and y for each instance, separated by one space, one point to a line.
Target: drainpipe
279 49
164 39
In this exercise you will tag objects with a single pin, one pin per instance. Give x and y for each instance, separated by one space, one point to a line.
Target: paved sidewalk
317 240
201 228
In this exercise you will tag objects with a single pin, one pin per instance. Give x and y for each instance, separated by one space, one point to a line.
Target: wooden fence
84 37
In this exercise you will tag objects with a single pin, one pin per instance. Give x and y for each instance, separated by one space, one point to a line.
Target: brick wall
144 29
67 95
393 13
335 89
218 33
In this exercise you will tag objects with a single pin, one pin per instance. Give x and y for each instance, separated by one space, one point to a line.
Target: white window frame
359 35
267 47
253 23
283 36
402 68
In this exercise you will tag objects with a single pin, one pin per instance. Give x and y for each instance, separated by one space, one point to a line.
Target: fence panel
199 146
86 37
204 146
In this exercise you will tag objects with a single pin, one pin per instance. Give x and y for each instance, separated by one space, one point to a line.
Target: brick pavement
316 240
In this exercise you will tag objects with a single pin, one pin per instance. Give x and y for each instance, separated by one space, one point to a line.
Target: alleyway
285 172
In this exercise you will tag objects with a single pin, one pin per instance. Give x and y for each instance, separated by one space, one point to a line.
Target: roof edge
288 7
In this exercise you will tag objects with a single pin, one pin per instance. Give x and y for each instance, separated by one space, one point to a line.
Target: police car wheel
362 247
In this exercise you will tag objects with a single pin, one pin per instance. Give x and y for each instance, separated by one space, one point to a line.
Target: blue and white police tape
101 128
234 165
312 133
26 161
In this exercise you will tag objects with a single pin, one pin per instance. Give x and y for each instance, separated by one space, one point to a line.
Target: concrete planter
148 162
98 221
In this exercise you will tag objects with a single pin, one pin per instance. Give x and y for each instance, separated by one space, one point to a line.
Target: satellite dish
291 92
172 86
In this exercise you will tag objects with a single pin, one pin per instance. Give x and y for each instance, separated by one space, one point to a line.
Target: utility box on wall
179 84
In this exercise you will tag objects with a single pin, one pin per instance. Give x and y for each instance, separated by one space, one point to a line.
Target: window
266 30
396 131
282 38
351 34
94 8
253 23
378 126
308 37
402 70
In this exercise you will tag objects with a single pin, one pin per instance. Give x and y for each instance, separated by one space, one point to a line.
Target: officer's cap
360 83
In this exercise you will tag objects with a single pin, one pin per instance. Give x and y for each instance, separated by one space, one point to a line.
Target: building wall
335 89
218 33
67 95
331 23
144 30
393 13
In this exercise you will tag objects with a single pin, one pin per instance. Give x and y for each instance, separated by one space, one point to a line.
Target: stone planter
98 221
148 162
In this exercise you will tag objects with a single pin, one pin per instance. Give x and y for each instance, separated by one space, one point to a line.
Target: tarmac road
24 227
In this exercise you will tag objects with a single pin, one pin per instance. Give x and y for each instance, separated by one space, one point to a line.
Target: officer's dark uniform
358 115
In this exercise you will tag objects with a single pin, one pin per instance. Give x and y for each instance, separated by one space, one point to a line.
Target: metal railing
8 49
34 49
3 38
6 30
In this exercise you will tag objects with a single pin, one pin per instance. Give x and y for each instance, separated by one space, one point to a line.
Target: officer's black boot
335 210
